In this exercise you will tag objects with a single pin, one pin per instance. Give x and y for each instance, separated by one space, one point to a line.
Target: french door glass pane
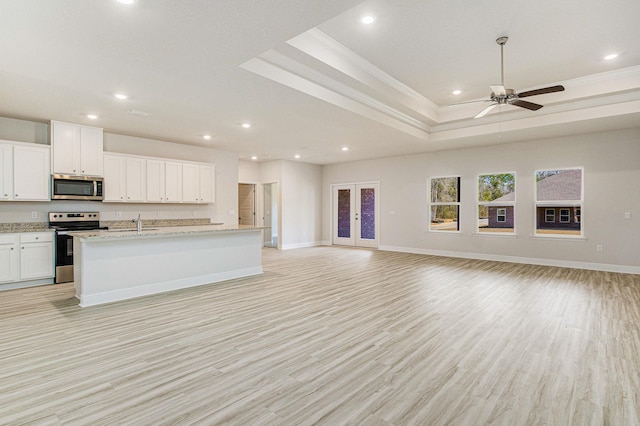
344 213
367 214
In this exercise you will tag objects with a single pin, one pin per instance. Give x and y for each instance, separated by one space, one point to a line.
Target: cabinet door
207 184
114 178
155 181
91 151
6 172
9 259
36 260
173 182
31 175
136 177
65 142
190 183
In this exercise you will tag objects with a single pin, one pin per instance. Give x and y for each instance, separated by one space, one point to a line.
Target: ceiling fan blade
485 111
498 90
541 91
525 104
471 102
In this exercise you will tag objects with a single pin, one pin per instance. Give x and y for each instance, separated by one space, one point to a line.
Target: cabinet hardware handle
11 248
37 238
16 195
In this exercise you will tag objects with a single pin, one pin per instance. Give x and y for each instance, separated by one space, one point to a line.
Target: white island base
113 266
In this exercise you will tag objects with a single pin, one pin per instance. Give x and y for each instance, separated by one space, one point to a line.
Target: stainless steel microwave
64 187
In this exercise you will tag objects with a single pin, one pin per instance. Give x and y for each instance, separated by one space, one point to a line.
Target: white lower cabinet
9 257
26 256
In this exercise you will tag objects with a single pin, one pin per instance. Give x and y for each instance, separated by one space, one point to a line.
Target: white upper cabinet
77 149
207 186
155 181
115 178
24 172
131 178
173 181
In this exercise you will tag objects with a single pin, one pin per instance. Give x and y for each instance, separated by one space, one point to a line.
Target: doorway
246 204
355 214
270 214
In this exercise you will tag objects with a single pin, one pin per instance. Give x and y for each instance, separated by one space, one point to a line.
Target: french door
355 214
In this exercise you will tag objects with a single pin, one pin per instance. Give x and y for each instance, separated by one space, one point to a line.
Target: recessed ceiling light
246 125
457 92
207 137
345 148
368 19
126 1
611 56
121 96
296 156
253 157
92 116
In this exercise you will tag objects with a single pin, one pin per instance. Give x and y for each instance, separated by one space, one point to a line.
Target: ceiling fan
503 96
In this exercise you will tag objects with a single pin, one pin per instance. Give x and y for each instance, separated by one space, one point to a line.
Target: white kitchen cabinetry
24 172
130 178
124 178
155 181
36 255
173 181
9 258
77 149
26 256
197 183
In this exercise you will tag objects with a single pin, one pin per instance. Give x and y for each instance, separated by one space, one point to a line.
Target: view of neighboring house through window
444 206
496 203
559 202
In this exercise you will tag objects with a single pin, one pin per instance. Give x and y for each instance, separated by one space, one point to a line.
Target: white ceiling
311 78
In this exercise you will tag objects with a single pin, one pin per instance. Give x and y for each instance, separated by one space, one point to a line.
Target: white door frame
355 237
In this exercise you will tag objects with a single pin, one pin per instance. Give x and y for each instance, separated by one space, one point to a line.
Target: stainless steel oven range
63 223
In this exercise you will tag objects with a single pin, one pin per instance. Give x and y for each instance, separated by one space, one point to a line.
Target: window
550 215
559 195
501 215
444 206
496 203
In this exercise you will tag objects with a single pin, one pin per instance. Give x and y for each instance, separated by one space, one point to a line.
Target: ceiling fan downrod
502 41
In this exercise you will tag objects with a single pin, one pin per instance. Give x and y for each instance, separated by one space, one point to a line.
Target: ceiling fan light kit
500 95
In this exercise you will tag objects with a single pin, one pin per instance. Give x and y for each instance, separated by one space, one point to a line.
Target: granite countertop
24 227
149 232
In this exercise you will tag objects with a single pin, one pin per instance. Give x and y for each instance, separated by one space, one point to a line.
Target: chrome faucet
139 224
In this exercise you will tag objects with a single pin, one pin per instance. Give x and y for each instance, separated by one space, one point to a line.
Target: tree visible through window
496 203
559 202
444 205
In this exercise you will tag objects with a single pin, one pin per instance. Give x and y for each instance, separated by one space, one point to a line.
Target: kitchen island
112 265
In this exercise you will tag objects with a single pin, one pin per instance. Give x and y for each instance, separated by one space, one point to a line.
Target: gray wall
611 161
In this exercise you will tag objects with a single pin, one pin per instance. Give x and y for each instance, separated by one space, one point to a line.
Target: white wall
299 198
226 190
611 162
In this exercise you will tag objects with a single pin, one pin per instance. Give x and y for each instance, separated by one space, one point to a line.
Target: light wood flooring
333 336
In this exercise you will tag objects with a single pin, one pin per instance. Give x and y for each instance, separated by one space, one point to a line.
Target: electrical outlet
599 247
627 215
118 214
34 215
159 213
195 213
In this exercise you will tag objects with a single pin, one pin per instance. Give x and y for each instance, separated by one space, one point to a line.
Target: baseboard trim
625 269
301 245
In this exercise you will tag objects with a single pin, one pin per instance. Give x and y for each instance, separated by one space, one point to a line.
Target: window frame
503 215
573 205
431 204
547 215
568 216
502 204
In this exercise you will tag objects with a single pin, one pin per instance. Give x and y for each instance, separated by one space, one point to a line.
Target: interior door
246 204
355 211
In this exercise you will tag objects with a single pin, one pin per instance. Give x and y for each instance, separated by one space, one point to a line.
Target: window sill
429 231
495 234
559 237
